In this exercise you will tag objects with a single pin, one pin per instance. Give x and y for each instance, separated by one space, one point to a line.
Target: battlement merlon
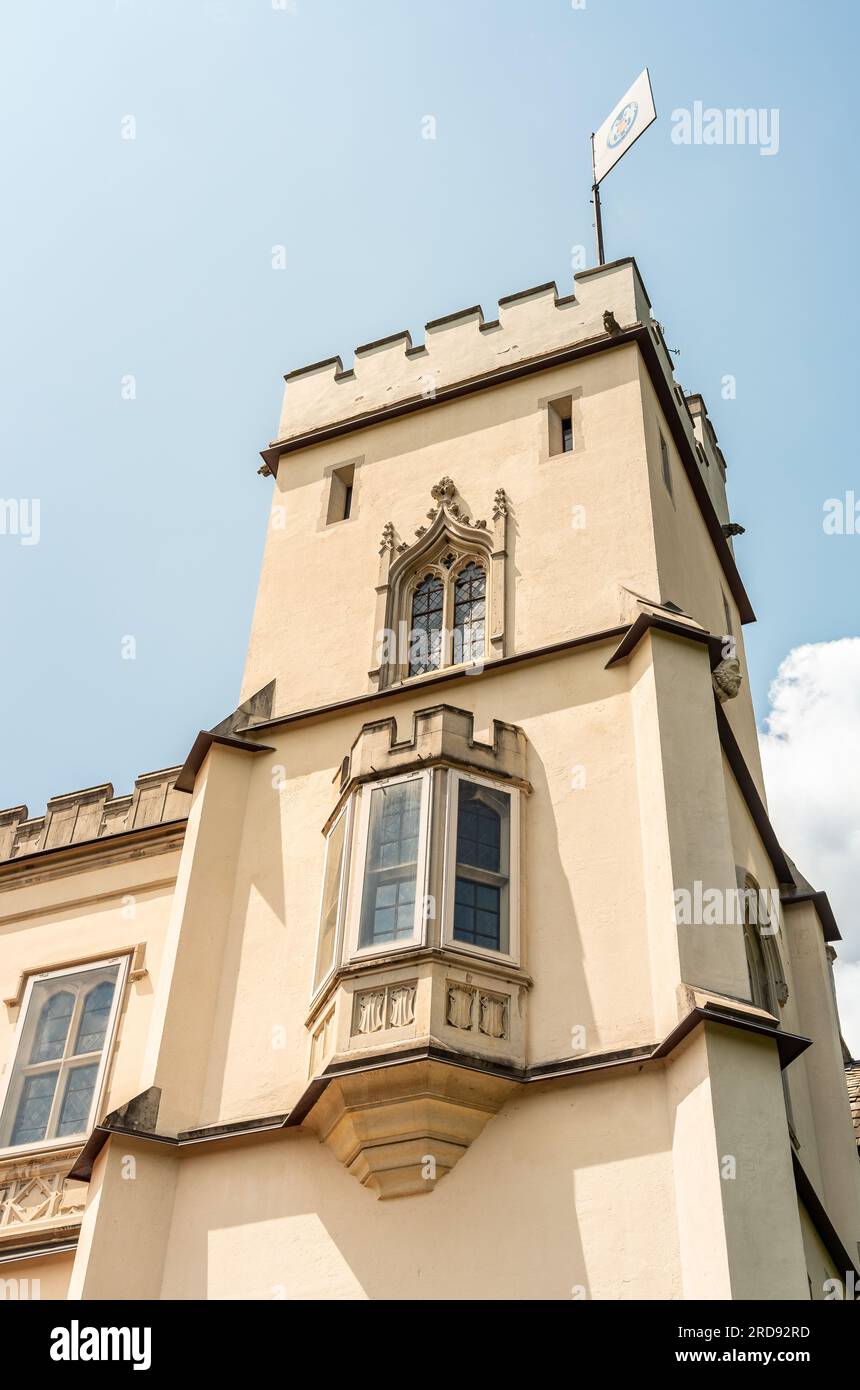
94 813
461 347
535 329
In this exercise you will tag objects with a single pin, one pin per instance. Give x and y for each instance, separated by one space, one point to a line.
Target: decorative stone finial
444 491
388 539
500 503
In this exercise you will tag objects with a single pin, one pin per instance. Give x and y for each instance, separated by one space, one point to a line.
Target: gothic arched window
425 627
441 601
445 616
768 988
58 1070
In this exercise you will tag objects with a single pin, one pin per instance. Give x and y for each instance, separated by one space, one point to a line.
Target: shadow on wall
563 1196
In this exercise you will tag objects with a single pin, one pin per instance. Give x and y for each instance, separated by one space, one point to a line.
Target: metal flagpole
598 219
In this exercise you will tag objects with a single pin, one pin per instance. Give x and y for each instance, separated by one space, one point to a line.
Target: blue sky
300 126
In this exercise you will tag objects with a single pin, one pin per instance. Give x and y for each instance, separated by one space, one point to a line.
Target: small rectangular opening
560 422
340 494
664 464
728 615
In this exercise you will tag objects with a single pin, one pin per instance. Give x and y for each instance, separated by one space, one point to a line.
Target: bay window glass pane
477 914
330 899
34 1107
481 891
391 865
77 1099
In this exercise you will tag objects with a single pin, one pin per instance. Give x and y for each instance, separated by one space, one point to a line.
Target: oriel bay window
432 860
63 1043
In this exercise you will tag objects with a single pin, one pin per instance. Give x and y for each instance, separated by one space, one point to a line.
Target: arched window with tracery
446 616
441 600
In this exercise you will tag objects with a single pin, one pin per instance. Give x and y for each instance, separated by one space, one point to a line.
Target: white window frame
59 974
354 951
512 955
347 811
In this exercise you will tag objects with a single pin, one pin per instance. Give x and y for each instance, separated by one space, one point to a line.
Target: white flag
633 114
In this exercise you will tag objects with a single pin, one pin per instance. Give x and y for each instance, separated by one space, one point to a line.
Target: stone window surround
402 566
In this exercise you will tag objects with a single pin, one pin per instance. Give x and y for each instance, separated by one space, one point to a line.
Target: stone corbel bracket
399 1129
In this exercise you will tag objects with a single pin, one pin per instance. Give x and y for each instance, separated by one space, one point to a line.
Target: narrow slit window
665 466
340 494
560 426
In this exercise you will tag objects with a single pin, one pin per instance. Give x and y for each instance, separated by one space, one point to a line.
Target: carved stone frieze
391 1006
34 1193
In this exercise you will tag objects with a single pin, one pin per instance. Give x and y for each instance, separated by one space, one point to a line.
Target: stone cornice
86 855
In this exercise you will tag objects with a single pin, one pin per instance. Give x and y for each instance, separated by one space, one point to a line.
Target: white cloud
811 757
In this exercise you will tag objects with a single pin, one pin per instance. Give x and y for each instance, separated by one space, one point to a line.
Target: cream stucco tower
480 971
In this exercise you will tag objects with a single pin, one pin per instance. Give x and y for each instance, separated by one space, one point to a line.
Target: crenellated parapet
92 814
461 347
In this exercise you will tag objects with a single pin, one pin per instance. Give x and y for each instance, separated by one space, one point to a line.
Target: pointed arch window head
425 628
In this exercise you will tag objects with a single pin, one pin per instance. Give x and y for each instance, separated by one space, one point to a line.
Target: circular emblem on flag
623 124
